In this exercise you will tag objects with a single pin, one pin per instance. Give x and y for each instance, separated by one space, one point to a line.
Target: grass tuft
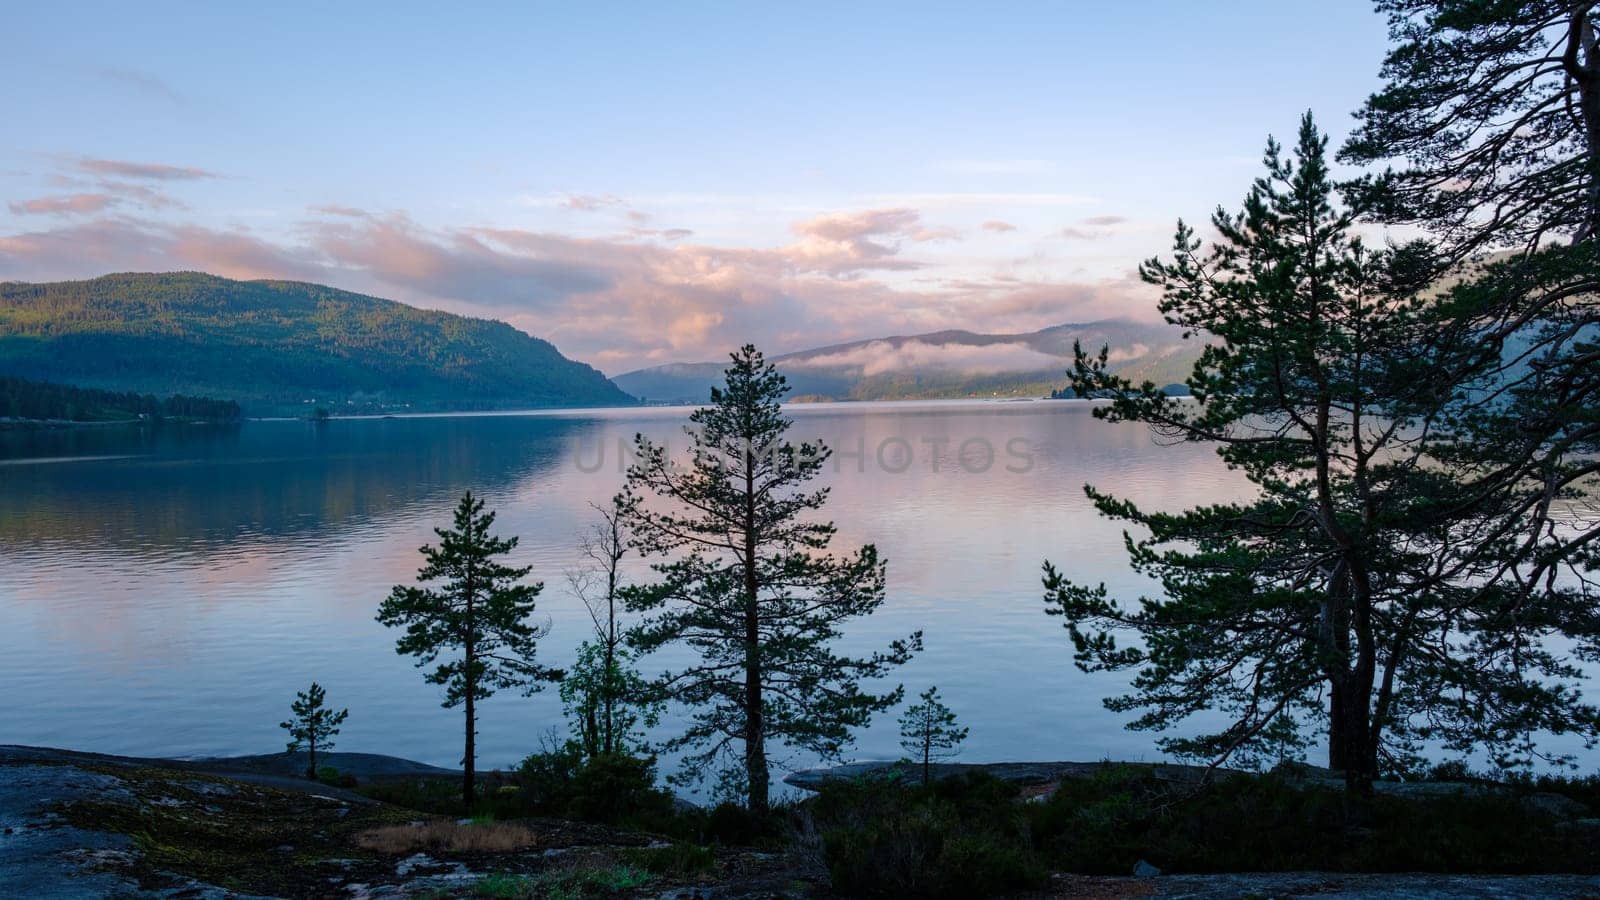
474 837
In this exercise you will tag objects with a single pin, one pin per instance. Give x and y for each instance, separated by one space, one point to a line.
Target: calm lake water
167 592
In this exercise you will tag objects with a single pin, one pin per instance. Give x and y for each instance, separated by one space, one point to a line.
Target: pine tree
1494 109
1361 592
1492 113
480 614
928 731
603 694
313 726
749 586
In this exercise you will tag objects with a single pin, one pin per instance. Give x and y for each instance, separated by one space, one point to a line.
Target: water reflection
205 491
166 592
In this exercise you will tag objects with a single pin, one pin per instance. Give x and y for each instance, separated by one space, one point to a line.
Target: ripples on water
167 592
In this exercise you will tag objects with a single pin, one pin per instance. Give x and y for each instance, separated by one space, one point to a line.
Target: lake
166 592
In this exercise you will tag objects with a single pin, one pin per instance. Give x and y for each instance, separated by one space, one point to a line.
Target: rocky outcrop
89 825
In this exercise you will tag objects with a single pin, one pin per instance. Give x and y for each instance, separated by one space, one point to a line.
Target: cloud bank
647 294
884 357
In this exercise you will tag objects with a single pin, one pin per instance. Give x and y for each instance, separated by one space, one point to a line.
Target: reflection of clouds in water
172 592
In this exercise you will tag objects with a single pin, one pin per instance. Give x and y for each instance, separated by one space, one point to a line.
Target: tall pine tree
1491 112
480 615
749 586
1353 594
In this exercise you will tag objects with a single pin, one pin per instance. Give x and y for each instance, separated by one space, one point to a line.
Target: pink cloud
458 264
1079 234
666 234
122 245
998 226
143 195
69 204
619 303
333 209
867 239
117 168
590 202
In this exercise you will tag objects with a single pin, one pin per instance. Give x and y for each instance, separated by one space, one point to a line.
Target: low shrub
616 789
1106 824
613 789
973 837
441 796
544 777
499 795
961 838
731 824
330 775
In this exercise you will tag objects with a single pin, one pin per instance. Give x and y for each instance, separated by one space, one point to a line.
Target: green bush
544 777
1105 824
615 789
330 775
973 837
432 795
731 824
958 838
441 795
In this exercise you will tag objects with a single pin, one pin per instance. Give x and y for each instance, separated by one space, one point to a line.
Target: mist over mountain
943 364
280 347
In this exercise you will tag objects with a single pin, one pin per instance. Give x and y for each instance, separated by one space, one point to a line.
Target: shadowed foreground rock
89 825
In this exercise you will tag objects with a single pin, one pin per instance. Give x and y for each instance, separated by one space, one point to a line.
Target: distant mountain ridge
944 364
280 347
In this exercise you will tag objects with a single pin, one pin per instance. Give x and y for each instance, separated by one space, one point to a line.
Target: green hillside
280 347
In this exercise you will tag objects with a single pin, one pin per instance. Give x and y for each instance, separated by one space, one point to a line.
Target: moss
673 859
234 835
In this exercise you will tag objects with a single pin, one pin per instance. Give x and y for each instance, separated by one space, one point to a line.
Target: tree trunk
1579 62
755 749
1337 744
927 763
468 758
311 759
755 738
470 679
612 687
1352 749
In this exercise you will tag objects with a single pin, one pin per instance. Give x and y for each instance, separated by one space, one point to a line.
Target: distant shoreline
63 424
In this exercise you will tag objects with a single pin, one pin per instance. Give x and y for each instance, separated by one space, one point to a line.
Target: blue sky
643 183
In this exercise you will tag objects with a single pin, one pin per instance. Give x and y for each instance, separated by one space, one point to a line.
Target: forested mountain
943 364
280 347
